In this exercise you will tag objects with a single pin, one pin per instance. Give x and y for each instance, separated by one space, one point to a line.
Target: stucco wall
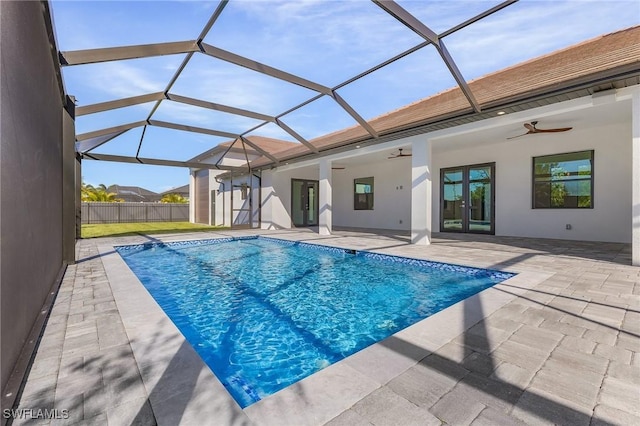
217 218
222 215
604 127
276 195
31 174
610 218
392 195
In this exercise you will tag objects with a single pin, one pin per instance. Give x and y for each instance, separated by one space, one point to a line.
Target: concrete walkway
558 346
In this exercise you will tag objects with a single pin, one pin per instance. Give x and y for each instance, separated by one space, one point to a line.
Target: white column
635 173
421 191
267 196
325 198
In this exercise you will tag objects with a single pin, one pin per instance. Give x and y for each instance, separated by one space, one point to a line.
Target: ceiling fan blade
404 155
337 168
561 129
524 134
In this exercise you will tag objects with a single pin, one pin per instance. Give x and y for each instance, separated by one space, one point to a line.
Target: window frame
591 153
368 194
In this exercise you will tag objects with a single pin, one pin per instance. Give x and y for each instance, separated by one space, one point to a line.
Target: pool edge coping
317 398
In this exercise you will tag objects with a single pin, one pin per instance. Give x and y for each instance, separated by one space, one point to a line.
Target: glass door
467 199
452 200
480 201
304 202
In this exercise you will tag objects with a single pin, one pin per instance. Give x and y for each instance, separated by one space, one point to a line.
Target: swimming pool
264 313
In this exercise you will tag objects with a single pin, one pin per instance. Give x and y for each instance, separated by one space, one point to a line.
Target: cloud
325 41
529 29
106 81
217 81
209 119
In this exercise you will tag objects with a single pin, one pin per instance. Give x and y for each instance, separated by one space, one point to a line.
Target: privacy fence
134 212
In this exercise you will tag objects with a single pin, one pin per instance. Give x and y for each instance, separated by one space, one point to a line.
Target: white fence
134 212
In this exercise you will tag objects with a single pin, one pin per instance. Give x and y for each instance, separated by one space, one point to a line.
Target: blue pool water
265 313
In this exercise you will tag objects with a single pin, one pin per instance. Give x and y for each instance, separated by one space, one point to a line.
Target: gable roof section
184 189
605 57
270 145
134 193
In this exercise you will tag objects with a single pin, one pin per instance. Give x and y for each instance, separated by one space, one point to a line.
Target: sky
325 41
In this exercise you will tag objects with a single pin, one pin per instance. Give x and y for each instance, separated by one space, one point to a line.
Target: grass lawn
122 229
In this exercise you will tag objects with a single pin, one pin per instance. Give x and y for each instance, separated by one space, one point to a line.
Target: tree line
100 193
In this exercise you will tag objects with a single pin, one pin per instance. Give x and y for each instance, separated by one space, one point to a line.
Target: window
563 181
244 191
363 194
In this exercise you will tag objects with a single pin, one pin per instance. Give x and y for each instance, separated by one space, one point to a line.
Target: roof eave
522 101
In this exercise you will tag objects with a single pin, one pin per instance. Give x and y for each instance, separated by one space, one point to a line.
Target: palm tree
173 198
100 194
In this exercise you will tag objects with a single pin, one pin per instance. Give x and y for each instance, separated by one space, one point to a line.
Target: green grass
123 229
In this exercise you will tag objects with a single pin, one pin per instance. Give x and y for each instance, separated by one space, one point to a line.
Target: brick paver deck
562 352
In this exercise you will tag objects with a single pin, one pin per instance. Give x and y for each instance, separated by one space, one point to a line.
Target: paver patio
559 345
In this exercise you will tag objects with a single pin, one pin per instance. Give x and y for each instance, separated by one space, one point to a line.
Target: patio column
325 198
635 173
421 191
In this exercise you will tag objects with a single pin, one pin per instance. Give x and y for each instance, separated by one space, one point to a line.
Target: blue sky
326 41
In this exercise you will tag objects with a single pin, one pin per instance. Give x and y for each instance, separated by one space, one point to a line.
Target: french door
467 199
304 202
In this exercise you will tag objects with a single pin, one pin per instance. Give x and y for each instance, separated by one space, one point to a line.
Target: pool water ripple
265 313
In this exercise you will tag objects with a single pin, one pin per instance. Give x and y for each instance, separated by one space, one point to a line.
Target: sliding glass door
467 199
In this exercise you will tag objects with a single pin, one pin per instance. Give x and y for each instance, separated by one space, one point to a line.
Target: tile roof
184 189
601 57
134 193
270 145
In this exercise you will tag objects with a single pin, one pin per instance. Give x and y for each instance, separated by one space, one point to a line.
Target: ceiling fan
531 129
400 154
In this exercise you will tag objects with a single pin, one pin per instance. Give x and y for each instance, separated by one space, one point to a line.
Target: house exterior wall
276 195
226 210
602 125
610 218
245 211
32 177
217 198
216 209
201 202
392 195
